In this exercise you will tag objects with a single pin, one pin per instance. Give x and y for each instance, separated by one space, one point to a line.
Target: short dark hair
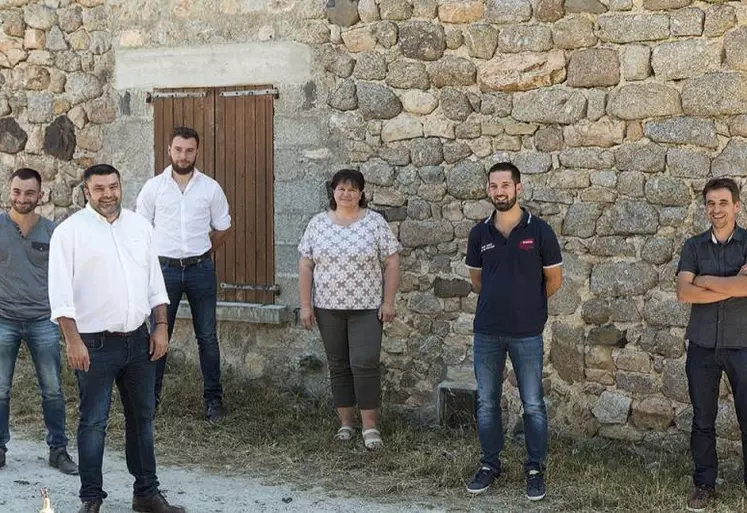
185 132
352 176
505 166
722 183
100 170
26 173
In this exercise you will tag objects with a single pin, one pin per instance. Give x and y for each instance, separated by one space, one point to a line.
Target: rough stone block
684 59
572 32
407 74
466 180
732 161
415 234
686 22
566 351
452 71
589 158
674 381
396 10
594 68
59 139
604 133
612 408
666 311
654 413
12 137
525 38
460 11
376 101
735 47
481 40
611 279
426 152
686 163
640 101
580 220
521 72
715 94
422 40
628 218
683 130
554 105
507 11
637 383
451 288
611 247
585 6
662 5
370 66
360 39
719 19
401 128
549 10
628 28
646 157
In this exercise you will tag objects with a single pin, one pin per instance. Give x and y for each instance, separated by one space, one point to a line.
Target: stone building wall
616 111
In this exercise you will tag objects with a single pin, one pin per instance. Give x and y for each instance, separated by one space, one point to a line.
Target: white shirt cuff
63 311
159 299
221 227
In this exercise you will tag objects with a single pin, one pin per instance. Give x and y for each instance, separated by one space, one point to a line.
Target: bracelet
161 322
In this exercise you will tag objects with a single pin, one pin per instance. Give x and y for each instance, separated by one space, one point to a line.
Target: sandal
372 439
344 434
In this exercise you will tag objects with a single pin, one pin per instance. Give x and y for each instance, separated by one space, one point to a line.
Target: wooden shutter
236 148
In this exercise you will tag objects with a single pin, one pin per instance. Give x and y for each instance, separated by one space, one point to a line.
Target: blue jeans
199 282
43 340
123 360
704 368
490 359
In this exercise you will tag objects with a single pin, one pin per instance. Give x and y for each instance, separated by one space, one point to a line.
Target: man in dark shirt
514 262
24 313
709 278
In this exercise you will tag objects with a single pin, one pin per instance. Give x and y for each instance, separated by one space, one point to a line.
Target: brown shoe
155 504
90 507
700 498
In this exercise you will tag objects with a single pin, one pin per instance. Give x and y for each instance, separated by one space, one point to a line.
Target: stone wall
616 111
56 63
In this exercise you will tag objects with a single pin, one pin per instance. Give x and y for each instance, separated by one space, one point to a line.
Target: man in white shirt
104 282
190 214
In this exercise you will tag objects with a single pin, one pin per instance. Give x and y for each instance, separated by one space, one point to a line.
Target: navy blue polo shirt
513 300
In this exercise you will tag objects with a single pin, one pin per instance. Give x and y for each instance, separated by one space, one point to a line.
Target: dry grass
286 437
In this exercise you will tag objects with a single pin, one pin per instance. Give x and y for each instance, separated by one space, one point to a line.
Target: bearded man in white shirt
104 282
189 211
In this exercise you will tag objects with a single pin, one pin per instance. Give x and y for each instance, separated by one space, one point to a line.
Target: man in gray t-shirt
25 313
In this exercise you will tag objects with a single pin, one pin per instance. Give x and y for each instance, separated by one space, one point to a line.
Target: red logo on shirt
526 244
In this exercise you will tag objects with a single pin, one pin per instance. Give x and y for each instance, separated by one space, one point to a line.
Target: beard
182 170
504 206
23 209
107 209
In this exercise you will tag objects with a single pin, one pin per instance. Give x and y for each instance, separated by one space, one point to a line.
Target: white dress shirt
183 221
105 276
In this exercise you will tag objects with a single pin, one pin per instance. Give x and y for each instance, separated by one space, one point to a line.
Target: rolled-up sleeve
157 294
220 219
61 271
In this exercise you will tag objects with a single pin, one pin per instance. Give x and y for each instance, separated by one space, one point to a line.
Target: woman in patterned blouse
350 258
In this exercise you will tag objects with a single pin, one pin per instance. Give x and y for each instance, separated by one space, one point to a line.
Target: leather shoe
155 504
214 411
90 507
2 458
61 460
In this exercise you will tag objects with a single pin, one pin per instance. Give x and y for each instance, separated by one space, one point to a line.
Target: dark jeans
124 360
352 341
199 282
490 359
704 368
43 340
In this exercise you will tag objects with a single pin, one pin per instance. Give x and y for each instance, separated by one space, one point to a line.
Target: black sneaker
482 480
214 411
2 458
536 488
61 460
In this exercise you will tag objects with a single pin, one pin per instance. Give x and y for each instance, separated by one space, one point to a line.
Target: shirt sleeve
61 270
688 259
388 243
157 294
474 257
305 246
550 249
220 219
145 205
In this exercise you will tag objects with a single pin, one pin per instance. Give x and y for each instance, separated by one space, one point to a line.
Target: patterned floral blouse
347 260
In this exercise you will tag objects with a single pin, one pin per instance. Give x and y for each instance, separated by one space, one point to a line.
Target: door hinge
149 97
253 92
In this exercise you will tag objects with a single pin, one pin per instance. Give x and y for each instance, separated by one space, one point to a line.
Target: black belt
184 262
117 334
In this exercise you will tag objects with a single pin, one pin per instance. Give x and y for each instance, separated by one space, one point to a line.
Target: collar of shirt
168 175
735 234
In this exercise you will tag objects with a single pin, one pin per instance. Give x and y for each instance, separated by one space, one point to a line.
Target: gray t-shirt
24 267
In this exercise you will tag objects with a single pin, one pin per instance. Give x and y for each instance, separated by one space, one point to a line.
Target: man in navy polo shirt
517 256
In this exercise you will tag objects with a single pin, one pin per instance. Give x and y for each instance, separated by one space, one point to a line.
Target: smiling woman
343 251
